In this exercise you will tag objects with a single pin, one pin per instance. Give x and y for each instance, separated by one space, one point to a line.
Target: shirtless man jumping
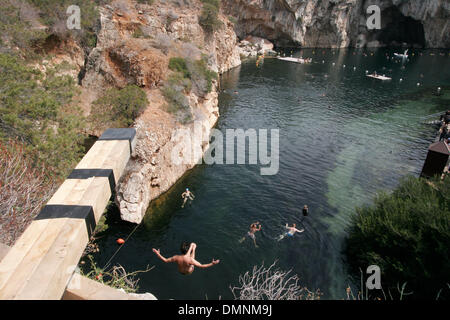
253 228
186 261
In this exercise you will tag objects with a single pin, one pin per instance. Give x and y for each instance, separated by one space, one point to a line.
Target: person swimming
254 227
187 195
186 261
305 210
291 231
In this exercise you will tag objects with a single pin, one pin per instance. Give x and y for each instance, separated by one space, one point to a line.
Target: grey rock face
341 23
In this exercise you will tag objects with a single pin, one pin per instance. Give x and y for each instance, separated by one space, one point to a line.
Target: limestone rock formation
342 23
134 45
252 46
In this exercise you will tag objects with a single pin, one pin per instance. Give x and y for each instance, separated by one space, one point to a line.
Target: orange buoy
120 241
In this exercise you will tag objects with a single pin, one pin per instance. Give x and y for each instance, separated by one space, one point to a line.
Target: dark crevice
399 29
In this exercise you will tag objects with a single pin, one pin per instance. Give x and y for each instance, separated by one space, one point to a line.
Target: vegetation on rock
120 107
36 109
187 75
209 17
407 234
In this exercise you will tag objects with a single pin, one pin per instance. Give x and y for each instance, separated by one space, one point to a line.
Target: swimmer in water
186 261
305 212
254 227
291 231
187 195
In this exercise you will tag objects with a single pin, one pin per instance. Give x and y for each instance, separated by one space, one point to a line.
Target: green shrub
177 103
179 64
232 19
18 33
187 75
177 79
209 17
201 76
54 15
149 2
120 107
214 3
36 109
138 33
407 234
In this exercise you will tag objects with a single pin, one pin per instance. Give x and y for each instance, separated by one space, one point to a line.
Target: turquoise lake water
343 137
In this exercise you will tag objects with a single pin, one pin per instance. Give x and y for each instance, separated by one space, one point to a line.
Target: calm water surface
343 137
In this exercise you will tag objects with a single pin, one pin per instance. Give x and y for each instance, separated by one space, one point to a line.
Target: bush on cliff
17 33
187 75
209 17
407 234
179 64
177 103
201 76
37 109
197 71
54 15
120 107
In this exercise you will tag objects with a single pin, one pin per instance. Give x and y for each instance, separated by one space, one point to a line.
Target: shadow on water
343 137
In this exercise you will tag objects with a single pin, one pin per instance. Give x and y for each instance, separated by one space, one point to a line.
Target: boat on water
377 76
402 56
296 60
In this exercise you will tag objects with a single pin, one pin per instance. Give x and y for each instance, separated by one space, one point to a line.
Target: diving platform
42 262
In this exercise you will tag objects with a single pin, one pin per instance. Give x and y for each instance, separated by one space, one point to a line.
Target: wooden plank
52 274
116 161
41 233
3 250
44 257
41 251
63 255
21 264
82 288
28 239
97 196
97 154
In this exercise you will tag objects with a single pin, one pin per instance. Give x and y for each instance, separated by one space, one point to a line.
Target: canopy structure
437 158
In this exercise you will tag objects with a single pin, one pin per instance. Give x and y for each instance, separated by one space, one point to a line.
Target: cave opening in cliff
398 29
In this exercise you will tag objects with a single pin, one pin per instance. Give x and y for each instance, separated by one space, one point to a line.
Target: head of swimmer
185 247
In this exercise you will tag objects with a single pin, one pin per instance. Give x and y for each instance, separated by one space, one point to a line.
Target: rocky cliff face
134 45
342 23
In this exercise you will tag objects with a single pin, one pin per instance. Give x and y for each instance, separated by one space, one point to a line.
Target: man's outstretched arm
198 264
157 252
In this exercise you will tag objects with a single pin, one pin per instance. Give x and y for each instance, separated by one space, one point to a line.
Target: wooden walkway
43 260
